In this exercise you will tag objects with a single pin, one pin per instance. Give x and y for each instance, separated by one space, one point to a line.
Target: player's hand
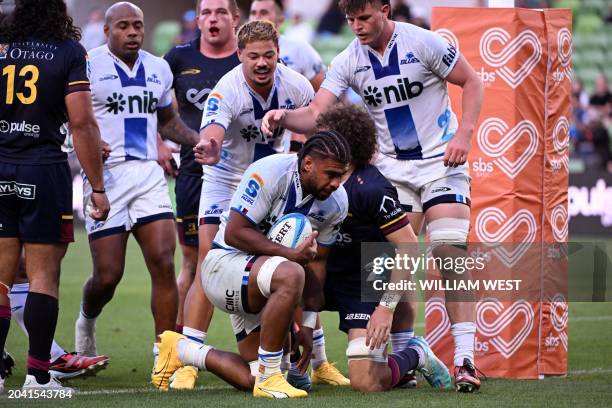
272 120
307 250
106 150
99 207
379 327
165 159
207 152
304 338
458 149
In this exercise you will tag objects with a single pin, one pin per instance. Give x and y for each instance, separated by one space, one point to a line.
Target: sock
269 363
464 334
286 364
401 362
400 339
5 324
18 296
178 328
194 335
87 321
318 348
40 318
193 354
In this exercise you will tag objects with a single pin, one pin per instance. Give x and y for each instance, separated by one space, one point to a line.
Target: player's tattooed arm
170 126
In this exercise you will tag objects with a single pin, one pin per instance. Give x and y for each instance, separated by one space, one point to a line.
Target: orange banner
519 170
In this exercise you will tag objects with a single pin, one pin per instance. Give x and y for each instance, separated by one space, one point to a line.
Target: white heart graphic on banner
433 306
504 318
510 47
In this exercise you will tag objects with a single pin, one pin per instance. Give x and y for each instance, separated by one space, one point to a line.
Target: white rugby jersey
404 90
233 105
125 102
271 188
300 57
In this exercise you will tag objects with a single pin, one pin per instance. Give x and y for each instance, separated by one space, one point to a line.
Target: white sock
86 322
464 334
285 364
254 367
155 353
18 297
269 363
194 335
318 348
400 339
193 354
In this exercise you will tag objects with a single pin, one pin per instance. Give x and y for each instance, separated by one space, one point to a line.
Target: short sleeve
311 61
439 56
166 97
329 231
307 94
77 79
384 204
255 194
337 77
219 105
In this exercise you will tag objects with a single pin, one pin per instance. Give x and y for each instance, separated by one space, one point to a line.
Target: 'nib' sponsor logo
401 92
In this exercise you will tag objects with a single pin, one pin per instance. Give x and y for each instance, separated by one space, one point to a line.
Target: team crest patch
4 48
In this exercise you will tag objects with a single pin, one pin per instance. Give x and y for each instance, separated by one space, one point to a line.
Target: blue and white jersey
271 188
404 90
233 105
300 57
125 102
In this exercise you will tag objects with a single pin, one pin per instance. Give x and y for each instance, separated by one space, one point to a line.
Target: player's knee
448 232
366 384
357 352
277 274
106 280
289 278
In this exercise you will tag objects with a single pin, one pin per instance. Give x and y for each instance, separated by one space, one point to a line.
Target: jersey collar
130 71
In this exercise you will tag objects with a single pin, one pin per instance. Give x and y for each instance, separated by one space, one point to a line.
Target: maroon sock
5 323
178 328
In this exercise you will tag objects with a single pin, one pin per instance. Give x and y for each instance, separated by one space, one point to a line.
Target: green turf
125 332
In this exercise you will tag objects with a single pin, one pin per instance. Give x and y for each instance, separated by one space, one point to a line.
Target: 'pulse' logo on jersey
135 103
401 92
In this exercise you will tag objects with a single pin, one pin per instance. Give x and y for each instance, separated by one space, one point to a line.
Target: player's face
217 22
321 177
125 34
266 10
259 60
368 23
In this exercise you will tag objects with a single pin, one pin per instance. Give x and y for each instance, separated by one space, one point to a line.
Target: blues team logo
252 189
4 48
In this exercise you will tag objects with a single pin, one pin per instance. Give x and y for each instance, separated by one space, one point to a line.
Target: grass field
125 333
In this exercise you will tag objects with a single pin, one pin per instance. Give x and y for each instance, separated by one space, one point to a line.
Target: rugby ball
290 230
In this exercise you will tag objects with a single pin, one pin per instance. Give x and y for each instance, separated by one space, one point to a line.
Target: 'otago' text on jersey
404 90
35 78
239 110
125 102
271 188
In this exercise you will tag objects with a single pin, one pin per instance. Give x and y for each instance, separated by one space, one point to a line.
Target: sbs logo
506 227
503 318
560 139
564 51
558 317
510 137
559 222
510 48
433 306
448 36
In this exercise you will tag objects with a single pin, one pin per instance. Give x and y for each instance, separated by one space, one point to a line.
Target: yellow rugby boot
167 361
328 374
276 387
184 378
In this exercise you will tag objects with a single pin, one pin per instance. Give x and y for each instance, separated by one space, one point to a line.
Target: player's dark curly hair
356 125
42 19
326 144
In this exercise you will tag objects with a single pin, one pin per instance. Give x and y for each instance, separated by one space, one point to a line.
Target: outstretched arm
302 120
